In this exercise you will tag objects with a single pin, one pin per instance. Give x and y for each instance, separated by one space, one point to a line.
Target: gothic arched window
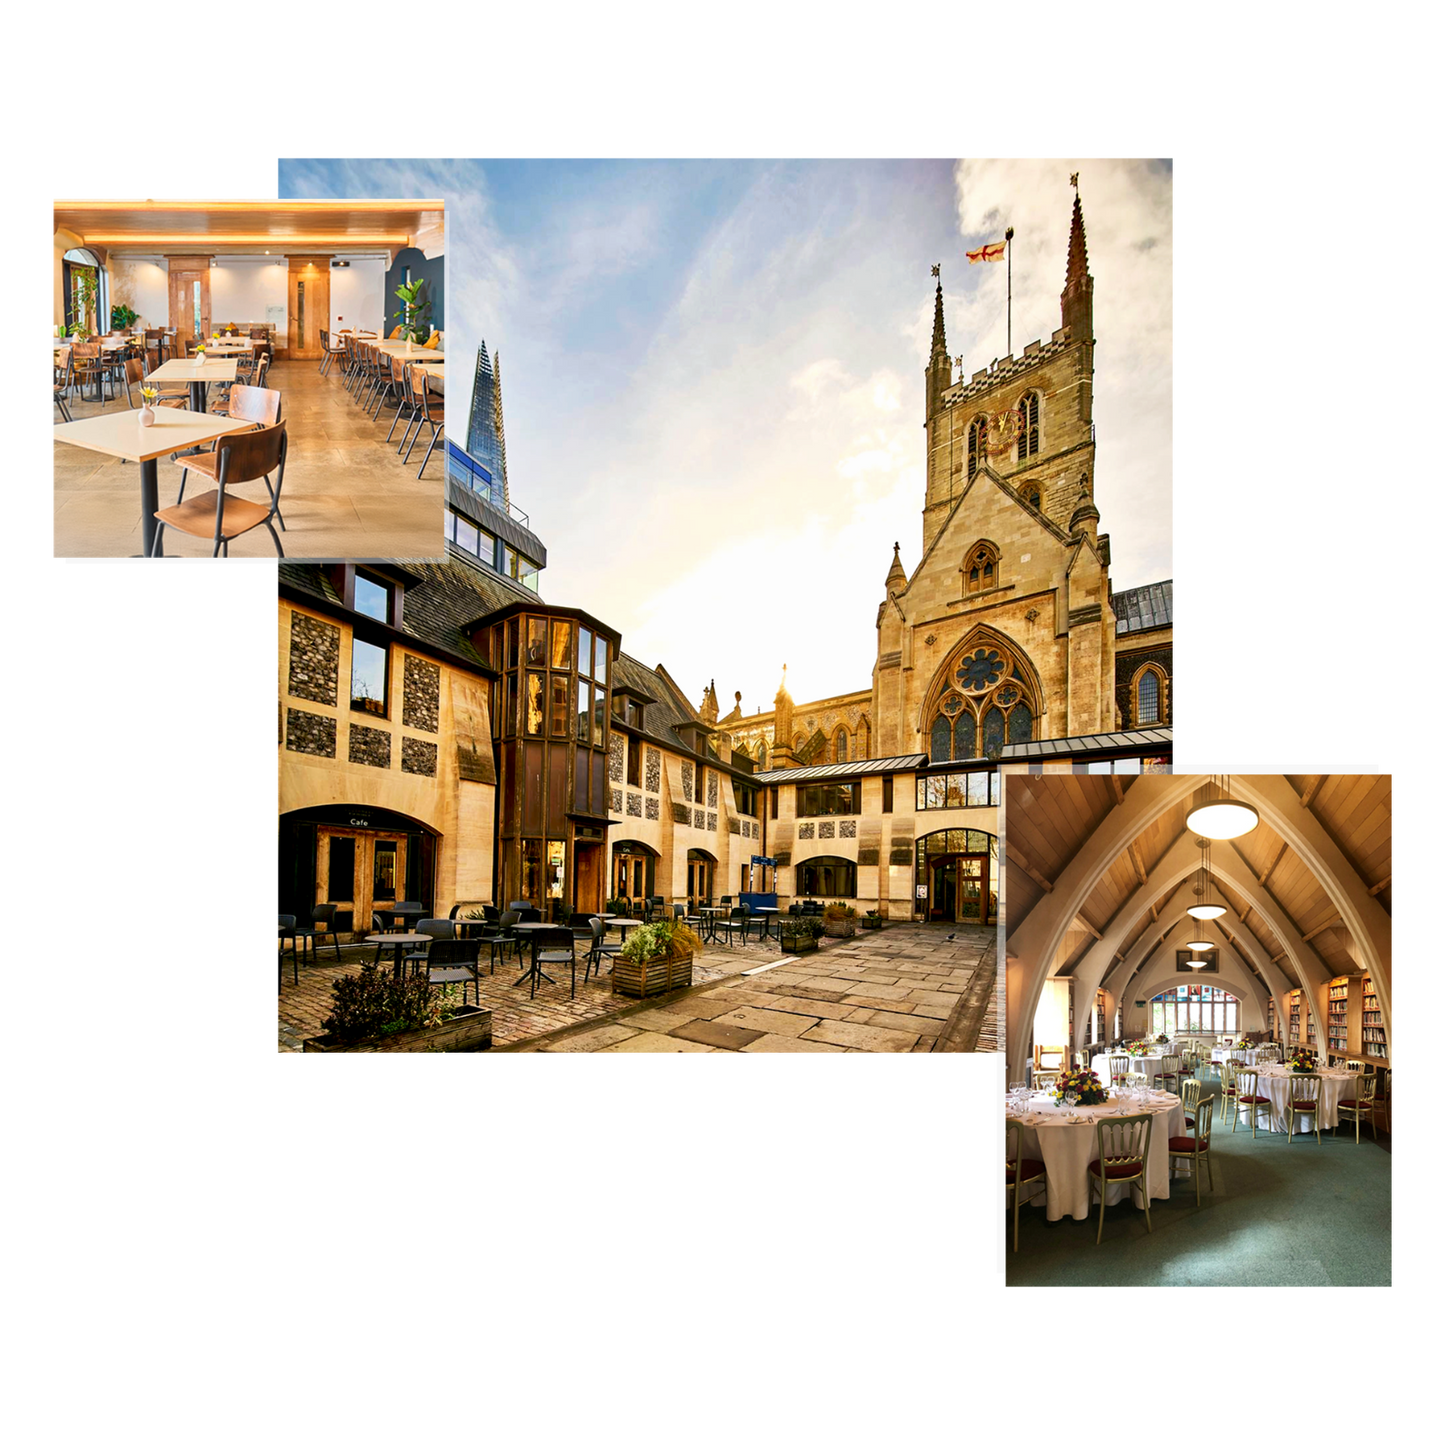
980 571
1029 426
1149 696
983 698
977 435
840 746
1031 494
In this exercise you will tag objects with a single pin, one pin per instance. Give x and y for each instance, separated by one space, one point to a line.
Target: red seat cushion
1116 1170
1254 1098
1345 1104
1027 1169
1298 1105
1181 1145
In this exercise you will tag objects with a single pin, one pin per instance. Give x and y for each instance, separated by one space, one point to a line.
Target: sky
712 375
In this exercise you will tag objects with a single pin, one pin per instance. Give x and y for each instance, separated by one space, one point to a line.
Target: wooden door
587 877
308 305
190 302
358 872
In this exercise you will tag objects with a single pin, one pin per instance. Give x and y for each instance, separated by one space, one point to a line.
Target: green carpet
1281 1213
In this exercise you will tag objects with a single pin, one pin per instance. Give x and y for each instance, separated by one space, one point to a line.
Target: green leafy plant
415 309
810 926
373 1004
662 939
122 318
837 912
87 288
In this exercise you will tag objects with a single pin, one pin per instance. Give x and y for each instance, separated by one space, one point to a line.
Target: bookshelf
1337 1019
1099 1018
1293 999
1373 1044
1269 1019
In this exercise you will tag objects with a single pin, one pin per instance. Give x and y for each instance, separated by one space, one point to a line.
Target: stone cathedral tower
1005 630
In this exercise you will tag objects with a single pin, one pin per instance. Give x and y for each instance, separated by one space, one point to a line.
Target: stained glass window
964 735
938 741
992 733
1020 723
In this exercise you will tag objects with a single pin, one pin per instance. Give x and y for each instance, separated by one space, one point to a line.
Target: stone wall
315 655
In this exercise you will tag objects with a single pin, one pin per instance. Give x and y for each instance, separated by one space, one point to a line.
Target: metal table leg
152 533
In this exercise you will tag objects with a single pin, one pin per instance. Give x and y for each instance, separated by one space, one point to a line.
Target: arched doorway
84 283
359 859
956 876
700 866
634 869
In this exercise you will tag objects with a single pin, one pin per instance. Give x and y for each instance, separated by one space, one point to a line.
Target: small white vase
147 416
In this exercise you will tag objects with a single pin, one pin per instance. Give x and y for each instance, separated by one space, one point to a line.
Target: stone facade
370 746
419 756
310 732
315 655
421 694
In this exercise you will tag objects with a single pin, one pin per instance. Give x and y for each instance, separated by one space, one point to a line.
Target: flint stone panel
315 658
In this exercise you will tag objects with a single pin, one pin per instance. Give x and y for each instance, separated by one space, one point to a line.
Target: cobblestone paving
908 988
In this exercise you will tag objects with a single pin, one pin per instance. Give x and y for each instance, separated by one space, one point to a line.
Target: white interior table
1274 1084
1146 1064
120 434
195 373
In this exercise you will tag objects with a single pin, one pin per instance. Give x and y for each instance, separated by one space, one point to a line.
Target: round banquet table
1146 1064
1335 1084
1066 1150
1251 1056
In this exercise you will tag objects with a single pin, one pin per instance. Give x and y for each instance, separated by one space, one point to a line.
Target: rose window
952 703
981 670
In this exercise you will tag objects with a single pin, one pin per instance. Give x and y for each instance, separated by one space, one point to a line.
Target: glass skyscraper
485 438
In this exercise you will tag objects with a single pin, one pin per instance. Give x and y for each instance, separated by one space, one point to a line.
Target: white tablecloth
1066 1150
1146 1064
1274 1080
1251 1056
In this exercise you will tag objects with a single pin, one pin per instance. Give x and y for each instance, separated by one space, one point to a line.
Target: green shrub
372 1004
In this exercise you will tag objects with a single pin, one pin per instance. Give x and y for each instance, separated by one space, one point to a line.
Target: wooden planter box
842 928
467 1031
798 942
657 975
870 923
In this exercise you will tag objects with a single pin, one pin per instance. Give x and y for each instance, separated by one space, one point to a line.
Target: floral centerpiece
1083 1084
1301 1061
1137 1048
1162 1039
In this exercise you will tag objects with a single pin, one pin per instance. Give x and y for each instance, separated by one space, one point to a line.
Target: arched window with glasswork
1032 495
1150 699
840 746
983 698
980 569
1028 426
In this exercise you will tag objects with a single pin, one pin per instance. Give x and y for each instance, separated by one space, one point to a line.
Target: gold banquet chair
1019 1172
1304 1098
1123 1144
1118 1072
1183 1147
1189 1096
1360 1105
1247 1096
1170 1072
1045 1079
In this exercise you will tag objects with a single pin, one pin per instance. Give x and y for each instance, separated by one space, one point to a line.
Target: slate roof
664 714
908 762
1140 608
446 599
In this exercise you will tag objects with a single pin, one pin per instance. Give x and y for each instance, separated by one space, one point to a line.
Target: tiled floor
346 494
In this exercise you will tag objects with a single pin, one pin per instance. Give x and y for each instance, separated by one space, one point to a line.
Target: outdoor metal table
710 918
401 911
398 942
767 915
532 944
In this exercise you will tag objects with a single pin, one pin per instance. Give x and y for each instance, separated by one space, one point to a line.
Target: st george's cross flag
986 253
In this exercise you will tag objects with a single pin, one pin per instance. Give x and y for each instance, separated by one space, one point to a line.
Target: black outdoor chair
600 949
286 928
736 924
433 928
455 960
517 904
528 914
324 914
549 945
505 939
795 910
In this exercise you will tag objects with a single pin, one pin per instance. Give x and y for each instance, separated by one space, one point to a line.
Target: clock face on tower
1003 432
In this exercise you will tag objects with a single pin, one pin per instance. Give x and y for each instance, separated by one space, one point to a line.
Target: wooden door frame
175 265
363 866
320 318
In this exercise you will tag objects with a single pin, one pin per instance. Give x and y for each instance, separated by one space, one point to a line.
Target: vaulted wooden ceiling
1048 819
195 228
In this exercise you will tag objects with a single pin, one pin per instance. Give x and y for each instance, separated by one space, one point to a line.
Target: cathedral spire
940 340
1077 302
897 578
940 373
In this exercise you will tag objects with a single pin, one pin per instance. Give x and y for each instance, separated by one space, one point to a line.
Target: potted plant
656 958
800 935
122 318
372 1012
839 921
414 310
86 290
871 919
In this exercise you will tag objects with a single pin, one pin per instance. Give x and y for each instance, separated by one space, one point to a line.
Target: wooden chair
64 379
242 457
255 404
432 414
88 367
1169 1072
1360 1105
1018 1171
1123 1157
1304 1098
1248 1097
1183 1147
1119 1071
1355 1066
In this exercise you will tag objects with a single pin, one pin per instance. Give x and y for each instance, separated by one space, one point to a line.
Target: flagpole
1008 236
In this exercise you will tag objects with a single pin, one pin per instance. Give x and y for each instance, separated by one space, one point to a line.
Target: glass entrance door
943 890
959 891
699 885
359 873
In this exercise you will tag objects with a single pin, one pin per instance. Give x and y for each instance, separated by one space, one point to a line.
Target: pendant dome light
1219 815
1205 905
